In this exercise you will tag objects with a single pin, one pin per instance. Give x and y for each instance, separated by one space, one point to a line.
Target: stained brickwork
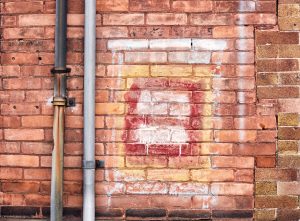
187 94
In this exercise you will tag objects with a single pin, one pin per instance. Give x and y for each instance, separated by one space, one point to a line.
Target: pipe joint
88 164
56 70
59 101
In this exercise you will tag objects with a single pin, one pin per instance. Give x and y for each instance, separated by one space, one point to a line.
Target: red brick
277 92
37 199
170 201
255 19
13 199
265 162
116 5
11 173
24 134
24 33
21 187
255 149
244 175
10 147
192 6
37 121
19 160
11 122
19 58
36 148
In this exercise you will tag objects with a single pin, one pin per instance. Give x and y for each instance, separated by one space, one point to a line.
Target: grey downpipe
89 111
59 103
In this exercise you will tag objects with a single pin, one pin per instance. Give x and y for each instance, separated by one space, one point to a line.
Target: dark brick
204 214
232 214
146 213
277 65
289 78
104 212
286 161
289 133
290 215
19 211
275 174
266 78
277 92
71 212
276 201
271 37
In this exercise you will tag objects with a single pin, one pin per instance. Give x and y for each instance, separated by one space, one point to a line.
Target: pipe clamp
59 101
86 164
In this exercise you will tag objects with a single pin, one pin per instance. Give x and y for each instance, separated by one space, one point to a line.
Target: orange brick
116 5
236 136
128 70
21 187
171 70
110 108
19 160
24 134
37 20
232 162
206 175
37 121
232 189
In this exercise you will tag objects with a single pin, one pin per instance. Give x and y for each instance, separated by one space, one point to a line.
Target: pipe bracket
56 70
59 101
88 164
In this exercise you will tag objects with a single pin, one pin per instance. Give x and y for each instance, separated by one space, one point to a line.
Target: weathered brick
145 57
111 32
128 70
277 92
127 19
192 6
262 214
25 33
21 187
11 173
275 174
206 175
288 214
171 70
276 201
287 146
23 7
171 44
130 44
265 188
146 188
24 134
288 119
211 19
289 133
146 5
255 19
168 175
276 37
166 19
289 23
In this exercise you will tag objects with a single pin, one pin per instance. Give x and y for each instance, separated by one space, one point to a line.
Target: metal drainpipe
59 102
89 111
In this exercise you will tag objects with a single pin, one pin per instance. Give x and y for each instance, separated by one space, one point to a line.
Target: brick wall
277 53
187 96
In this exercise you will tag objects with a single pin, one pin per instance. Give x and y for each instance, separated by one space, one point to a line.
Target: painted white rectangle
209 44
128 44
171 44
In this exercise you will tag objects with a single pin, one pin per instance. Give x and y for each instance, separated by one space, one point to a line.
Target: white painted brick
143 57
171 44
190 57
210 44
127 44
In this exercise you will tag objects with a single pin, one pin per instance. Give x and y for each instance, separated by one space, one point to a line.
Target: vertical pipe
89 111
59 103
